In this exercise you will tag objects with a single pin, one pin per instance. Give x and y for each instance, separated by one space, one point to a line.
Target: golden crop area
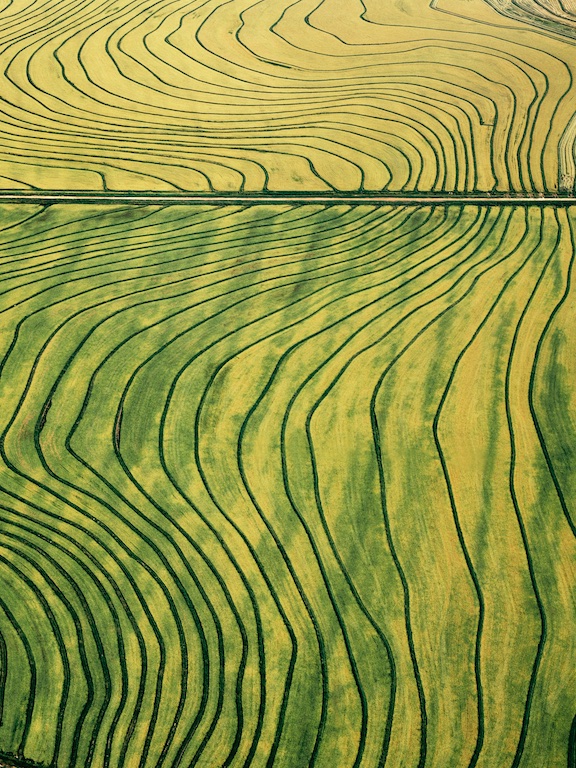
273 95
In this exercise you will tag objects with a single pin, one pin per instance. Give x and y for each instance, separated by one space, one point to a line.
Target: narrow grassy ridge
287 485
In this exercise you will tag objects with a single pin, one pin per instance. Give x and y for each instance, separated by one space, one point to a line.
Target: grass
287 485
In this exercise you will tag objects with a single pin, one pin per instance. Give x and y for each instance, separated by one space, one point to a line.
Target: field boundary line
50 197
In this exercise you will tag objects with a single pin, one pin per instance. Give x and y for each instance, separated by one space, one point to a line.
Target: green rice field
287 485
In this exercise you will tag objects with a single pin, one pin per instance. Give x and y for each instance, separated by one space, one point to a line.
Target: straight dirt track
274 198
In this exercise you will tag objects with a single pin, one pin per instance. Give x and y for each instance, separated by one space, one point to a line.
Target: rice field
452 95
287 472
287 486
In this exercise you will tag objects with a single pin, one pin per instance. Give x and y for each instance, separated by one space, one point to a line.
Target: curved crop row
259 95
287 485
